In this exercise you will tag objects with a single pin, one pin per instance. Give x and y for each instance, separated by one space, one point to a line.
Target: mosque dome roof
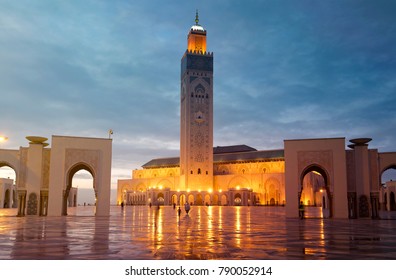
197 27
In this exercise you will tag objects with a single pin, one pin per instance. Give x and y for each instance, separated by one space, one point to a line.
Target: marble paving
222 233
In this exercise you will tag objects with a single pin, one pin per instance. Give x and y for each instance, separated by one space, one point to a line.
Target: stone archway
174 199
71 154
271 191
199 200
190 199
160 199
10 198
45 172
328 156
237 199
207 200
224 200
182 199
215 199
387 165
325 175
70 174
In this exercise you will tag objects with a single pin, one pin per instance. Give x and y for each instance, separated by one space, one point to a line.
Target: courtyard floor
222 233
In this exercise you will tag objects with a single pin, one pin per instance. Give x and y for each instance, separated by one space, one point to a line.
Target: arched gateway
44 175
324 156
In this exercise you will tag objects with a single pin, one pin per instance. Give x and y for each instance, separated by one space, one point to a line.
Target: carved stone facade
89 157
43 175
323 159
264 179
45 168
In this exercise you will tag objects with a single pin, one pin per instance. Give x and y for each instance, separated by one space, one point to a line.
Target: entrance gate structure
324 156
44 175
352 177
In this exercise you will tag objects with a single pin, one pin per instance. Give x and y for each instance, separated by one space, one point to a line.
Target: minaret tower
196 113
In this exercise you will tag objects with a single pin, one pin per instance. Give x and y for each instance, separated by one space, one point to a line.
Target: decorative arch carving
199 89
264 168
244 169
240 181
90 158
32 205
321 161
165 183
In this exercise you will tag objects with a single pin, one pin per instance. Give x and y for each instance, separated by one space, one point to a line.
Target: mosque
345 183
343 180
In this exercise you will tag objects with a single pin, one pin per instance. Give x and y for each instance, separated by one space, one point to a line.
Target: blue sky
283 70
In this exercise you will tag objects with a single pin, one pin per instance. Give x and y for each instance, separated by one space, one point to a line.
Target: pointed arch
69 179
318 169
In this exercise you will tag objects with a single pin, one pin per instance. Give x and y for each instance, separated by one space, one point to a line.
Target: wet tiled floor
140 232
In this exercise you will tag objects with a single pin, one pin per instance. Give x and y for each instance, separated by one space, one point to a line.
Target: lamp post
3 139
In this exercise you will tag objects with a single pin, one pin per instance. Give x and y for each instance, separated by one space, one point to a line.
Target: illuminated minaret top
196 37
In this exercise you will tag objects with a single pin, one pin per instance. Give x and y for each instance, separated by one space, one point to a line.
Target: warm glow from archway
83 181
8 172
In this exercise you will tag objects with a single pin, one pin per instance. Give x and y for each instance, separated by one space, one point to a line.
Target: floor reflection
207 232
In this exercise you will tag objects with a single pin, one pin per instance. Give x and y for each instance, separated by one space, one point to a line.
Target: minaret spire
196 18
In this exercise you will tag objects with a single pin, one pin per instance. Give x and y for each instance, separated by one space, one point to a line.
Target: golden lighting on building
196 40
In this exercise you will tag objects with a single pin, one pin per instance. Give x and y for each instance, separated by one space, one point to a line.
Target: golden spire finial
196 18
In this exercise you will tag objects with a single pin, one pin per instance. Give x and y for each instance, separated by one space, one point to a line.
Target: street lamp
3 139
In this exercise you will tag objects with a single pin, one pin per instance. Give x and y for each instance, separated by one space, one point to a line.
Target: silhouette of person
187 208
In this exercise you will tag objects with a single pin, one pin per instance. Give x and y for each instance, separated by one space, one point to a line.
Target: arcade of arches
328 178
43 176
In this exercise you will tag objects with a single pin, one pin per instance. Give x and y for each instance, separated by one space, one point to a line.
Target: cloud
283 70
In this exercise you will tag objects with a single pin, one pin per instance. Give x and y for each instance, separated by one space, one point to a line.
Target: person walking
187 207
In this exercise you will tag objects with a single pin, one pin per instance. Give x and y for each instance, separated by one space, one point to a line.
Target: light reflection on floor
140 232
